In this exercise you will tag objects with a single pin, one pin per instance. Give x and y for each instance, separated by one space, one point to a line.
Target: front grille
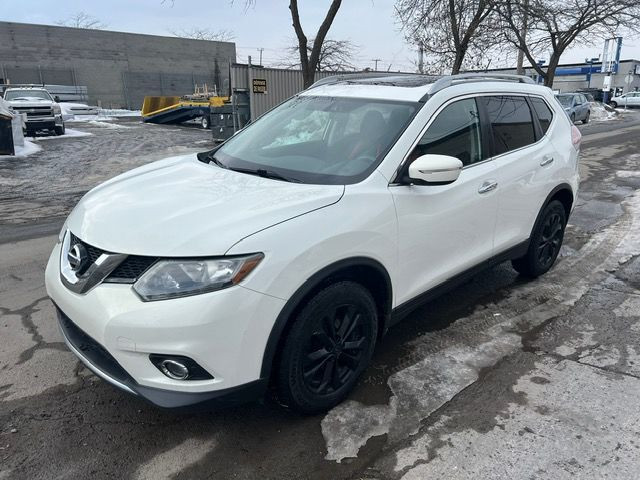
35 111
91 349
127 272
132 268
94 253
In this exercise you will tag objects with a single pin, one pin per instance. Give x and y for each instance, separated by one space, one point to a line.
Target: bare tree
554 25
449 31
309 60
335 56
82 20
196 33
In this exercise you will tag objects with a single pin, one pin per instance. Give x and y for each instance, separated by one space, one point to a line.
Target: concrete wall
119 69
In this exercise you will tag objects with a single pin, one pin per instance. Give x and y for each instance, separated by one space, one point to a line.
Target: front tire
328 347
613 104
586 119
545 242
205 122
59 130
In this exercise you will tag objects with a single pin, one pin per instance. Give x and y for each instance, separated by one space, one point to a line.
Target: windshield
565 100
322 140
27 95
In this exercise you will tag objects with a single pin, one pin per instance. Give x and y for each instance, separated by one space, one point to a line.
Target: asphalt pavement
500 378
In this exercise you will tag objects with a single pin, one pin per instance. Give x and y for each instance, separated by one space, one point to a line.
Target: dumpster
6 130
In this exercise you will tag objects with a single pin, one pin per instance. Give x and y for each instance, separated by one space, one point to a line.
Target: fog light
178 367
175 370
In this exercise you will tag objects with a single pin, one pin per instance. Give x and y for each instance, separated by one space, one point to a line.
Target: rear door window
545 115
511 122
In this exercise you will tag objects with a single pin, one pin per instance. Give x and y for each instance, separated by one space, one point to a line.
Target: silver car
629 99
576 105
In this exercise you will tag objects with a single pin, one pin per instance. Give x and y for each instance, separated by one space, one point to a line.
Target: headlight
62 233
57 110
179 278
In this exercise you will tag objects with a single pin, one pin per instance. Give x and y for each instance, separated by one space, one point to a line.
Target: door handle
488 186
546 160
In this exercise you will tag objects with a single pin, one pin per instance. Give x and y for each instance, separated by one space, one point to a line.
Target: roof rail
22 85
450 80
345 77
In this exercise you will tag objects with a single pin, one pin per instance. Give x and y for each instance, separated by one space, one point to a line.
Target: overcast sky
368 23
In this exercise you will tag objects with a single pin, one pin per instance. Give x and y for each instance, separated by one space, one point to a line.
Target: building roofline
6 23
579 64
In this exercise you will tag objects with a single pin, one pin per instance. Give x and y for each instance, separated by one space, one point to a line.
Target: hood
181 207
30 101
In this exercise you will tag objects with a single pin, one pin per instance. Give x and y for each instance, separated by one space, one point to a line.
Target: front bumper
97 359
225 332
44 123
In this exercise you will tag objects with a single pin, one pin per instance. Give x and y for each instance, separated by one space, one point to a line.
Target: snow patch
600 112
29 148
69 133
107 124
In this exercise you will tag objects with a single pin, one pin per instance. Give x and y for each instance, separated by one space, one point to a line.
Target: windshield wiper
262 172
211 157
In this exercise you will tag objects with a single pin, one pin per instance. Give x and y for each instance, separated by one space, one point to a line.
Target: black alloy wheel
329 345
545 241
551 239
334 350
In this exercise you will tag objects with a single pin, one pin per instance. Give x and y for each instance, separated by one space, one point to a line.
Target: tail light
576 137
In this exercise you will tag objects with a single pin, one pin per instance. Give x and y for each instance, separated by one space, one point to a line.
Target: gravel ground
501 378
48 184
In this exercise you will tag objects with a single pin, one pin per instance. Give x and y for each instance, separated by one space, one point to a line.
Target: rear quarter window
544 113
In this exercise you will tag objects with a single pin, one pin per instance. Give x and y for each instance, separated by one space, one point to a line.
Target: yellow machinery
163 109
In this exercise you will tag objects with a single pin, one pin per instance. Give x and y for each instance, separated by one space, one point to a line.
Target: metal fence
268 87
40 75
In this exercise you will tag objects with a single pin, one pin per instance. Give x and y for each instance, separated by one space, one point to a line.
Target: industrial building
571 77
118 69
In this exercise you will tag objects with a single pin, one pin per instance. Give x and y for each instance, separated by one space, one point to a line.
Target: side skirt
401 311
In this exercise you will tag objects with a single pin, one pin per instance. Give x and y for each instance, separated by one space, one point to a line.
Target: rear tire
586 119
573 118
613 104
545 242
205 122
328 347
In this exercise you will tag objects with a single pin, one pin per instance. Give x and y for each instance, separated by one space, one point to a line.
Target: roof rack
450 80
345 77
436 83
22 85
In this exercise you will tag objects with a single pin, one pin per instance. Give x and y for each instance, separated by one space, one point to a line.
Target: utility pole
523 35
376 60
260 50
420 58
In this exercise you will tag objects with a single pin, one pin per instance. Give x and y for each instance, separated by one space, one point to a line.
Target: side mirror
435 169
56 99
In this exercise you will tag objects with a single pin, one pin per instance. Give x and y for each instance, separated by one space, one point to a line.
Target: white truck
42 111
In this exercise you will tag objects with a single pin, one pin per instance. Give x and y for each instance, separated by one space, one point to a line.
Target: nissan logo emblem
77 257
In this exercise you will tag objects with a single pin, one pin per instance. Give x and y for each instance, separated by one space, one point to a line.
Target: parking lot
500 378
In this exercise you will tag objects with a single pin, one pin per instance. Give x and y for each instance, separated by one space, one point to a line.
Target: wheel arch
564 194
364 270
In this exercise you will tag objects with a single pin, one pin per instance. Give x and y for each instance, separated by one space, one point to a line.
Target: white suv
283 255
